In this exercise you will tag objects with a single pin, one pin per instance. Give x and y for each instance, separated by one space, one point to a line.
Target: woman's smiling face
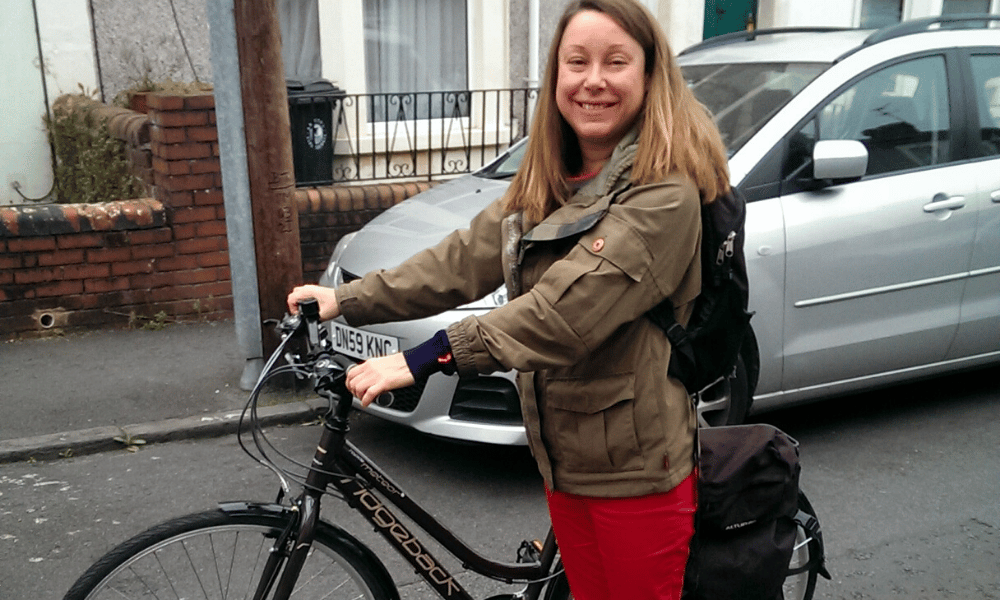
601 81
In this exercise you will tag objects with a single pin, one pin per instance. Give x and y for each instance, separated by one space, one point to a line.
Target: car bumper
483 409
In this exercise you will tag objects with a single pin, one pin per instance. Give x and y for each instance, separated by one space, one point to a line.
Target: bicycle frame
338 463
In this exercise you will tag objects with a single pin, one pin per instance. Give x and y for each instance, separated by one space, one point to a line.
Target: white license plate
362 344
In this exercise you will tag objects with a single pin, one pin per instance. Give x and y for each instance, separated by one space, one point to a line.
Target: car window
986 80
899 113
742 97
506 166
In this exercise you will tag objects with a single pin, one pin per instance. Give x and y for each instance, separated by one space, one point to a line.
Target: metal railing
425 135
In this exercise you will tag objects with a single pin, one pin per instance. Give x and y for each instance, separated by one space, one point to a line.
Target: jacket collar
590 203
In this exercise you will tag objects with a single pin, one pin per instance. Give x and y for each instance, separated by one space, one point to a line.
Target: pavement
108 389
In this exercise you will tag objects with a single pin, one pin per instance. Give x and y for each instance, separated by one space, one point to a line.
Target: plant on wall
90 165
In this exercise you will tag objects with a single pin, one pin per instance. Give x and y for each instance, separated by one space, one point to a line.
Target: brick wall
66 267
327 214
74 266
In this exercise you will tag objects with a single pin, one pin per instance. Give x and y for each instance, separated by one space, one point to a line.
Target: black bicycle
284 550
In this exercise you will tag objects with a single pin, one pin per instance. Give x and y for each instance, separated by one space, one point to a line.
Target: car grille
486 400
406 399
482 400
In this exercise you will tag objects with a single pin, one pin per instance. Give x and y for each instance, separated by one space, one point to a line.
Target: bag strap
693 545
663 315
817 557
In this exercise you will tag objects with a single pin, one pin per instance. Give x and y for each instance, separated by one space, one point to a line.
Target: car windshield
505 166
744 96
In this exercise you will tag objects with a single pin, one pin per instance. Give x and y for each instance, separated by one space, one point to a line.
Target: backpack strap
682 356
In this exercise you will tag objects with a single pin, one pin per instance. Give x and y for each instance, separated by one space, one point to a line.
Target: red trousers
625 548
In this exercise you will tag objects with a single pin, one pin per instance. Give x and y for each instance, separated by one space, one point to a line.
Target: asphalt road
906 483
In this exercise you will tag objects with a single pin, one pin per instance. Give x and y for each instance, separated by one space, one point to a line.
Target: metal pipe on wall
236 187
533 51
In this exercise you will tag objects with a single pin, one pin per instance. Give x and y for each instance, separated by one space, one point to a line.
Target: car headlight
490 301
330 277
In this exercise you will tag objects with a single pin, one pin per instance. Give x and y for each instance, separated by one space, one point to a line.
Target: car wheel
728 402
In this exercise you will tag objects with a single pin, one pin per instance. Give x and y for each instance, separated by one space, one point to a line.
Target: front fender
337 538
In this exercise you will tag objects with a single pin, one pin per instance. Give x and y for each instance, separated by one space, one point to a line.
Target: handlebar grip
385 399
309 309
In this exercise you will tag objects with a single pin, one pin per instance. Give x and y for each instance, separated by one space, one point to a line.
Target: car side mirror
839 160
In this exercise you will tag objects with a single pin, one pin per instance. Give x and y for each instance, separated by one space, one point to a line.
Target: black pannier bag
748 487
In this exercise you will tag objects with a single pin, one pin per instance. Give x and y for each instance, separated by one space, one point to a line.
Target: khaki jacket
602 416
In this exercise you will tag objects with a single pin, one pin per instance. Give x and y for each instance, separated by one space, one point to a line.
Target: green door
727 16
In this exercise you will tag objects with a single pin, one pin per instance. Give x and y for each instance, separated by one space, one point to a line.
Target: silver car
870 161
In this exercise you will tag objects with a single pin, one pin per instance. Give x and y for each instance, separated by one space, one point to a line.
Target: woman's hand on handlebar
375 376
367 380
327 298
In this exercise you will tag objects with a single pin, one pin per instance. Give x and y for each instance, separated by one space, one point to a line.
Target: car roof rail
752 34
962 21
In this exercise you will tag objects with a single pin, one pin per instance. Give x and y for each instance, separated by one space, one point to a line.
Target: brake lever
286 326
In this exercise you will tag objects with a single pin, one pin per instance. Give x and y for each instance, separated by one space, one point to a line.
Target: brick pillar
187 179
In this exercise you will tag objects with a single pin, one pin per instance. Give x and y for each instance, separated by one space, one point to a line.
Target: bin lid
311 86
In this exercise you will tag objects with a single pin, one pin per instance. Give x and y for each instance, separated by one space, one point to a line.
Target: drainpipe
236 187
533 51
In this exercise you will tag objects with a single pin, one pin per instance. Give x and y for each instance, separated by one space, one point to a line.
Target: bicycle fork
289 555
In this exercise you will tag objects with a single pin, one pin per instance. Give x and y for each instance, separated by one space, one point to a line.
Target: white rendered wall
68 52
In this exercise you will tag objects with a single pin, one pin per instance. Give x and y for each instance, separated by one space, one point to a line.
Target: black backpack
706 351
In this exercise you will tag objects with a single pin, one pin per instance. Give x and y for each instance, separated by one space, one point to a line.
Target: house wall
110 45
683 23
140 39
519 43
67 45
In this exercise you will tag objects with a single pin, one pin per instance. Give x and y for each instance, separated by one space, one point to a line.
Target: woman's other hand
375 376
328 307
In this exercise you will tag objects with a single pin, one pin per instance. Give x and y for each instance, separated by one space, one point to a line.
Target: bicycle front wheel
219 555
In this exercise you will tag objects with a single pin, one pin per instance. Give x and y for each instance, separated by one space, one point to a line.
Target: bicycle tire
219 554
800 586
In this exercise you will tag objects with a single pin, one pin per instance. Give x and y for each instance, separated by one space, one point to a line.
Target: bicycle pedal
529 552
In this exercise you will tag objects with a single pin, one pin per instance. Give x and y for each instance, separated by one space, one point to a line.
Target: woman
601 222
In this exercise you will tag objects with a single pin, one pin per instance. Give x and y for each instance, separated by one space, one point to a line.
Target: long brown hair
676 133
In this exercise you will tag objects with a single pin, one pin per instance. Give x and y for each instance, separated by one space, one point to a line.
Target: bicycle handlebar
322 362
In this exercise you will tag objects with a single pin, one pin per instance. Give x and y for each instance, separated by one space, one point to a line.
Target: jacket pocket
614 242
590 424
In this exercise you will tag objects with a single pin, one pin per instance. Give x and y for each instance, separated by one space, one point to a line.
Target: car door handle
944 202
995 196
